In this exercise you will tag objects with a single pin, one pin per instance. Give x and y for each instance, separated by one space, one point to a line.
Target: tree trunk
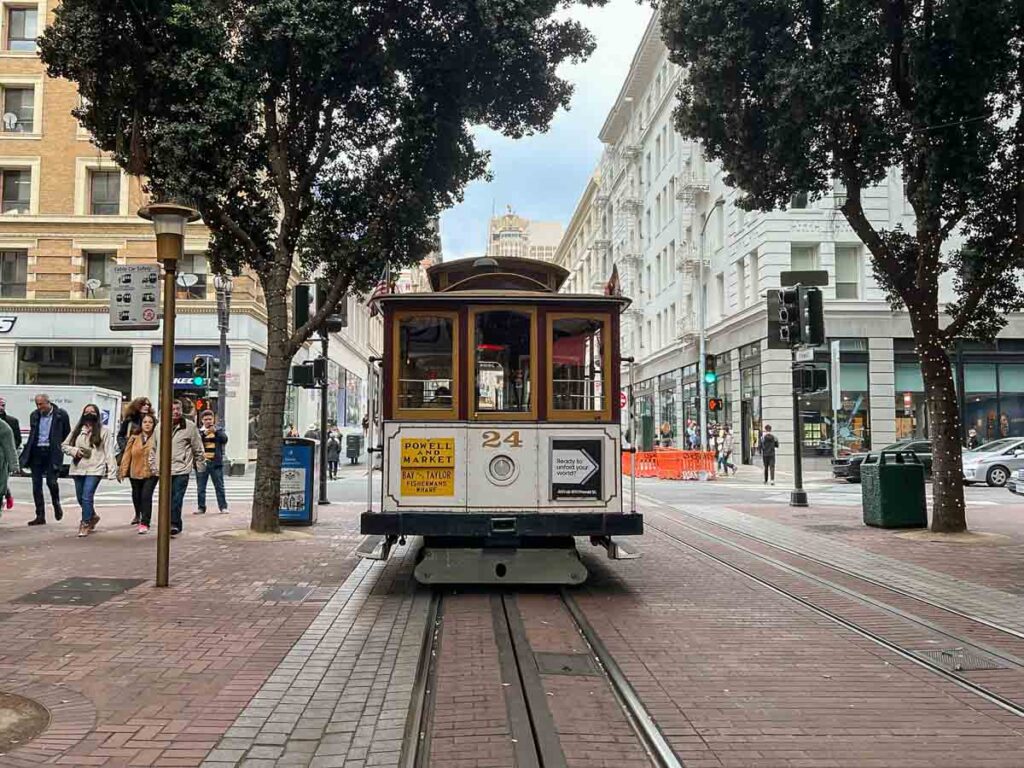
948 510
267 494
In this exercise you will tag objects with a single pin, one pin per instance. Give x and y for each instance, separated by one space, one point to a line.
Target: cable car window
426 363
577 364
503 354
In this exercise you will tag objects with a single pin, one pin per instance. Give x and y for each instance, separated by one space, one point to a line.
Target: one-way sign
575 469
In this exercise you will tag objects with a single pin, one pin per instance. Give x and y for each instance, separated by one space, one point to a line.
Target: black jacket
60 428
769 442
15 426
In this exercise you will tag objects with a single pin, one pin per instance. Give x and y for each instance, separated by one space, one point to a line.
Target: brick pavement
736 675
963 589
155 677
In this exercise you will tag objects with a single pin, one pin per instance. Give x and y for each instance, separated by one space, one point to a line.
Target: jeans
85 491
769 464
332 468
41 464
723 461
179 484
216 474
142 498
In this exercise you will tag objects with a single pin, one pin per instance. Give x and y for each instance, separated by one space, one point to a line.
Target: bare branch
334 294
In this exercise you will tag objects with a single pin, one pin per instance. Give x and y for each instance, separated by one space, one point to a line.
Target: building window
504 361
192 271
22 29
720 293
847 272
741 284
15 191
798 200
803 257
19 110
13 274
755 276
105 193
99 267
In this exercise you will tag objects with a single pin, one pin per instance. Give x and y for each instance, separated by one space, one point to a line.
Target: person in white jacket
92 458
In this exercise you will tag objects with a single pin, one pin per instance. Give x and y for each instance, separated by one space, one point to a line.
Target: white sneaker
773 482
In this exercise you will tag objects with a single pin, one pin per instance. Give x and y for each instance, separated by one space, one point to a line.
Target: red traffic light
716 404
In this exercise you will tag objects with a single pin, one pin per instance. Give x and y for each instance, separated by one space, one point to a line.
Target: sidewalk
145 676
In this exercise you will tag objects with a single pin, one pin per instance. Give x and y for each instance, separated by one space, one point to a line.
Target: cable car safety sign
428 466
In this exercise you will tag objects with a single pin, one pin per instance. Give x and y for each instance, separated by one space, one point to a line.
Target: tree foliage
793 95
321 135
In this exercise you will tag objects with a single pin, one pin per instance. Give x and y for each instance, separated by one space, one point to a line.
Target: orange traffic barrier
671 464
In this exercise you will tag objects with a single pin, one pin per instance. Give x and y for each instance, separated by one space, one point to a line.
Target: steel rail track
905 653
525 700
853 574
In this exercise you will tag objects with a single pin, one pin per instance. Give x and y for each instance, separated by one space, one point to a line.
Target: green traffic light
710 377
198 381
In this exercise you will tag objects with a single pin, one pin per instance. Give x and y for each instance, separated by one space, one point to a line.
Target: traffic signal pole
798 496
325 343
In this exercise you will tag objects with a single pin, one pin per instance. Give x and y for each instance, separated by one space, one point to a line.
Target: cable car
499 425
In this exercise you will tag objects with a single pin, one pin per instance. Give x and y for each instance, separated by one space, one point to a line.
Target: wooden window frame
530 415
424 414
554 414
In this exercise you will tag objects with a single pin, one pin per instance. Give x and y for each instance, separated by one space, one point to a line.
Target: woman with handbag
138 464
92 458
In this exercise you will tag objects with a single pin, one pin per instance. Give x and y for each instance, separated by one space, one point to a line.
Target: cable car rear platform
476 548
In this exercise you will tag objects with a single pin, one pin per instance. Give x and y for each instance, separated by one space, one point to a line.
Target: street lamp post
702 322
222 285
169 220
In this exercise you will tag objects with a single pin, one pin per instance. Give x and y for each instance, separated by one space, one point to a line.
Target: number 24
493 439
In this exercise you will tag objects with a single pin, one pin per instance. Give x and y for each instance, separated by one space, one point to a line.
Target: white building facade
644 210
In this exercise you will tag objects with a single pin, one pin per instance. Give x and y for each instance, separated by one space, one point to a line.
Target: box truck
21 402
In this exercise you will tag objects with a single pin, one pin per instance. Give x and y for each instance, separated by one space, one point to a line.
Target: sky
542 176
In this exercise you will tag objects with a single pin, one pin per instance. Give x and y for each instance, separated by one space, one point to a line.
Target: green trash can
892 490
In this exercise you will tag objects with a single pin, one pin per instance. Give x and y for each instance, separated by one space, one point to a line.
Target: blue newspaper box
299 482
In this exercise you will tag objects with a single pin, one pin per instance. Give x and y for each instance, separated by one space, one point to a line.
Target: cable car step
376 547
617 550
494 565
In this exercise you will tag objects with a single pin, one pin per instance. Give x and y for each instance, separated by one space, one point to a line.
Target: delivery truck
21 402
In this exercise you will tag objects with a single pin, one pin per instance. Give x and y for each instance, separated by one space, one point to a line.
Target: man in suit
49 426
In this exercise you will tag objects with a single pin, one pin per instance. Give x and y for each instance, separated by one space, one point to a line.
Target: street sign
575 469
622 399
804 277
135 297
805 355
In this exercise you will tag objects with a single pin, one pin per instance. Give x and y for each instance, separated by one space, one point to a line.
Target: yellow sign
428 466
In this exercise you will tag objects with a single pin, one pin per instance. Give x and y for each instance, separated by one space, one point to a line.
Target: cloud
542 176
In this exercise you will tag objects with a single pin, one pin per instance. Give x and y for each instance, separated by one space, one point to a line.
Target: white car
994 463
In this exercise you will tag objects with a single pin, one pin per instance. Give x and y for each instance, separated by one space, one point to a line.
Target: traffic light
214 371
201 405
807 380
812 316
320 370
716 404
789 316
710 375
302 375
200 370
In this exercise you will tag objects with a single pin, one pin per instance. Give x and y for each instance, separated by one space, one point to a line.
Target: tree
314 136
792 95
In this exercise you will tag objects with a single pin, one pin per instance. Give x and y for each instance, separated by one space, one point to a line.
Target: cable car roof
503 297
496 272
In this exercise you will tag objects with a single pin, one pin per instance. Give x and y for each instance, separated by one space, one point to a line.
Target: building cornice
641 70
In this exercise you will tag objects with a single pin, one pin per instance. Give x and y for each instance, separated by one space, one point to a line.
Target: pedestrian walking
333 455
214 439
8 458
726 443
140 464
313 433
49 427
973 441
131 420
186 455
768 445
92 458
15 426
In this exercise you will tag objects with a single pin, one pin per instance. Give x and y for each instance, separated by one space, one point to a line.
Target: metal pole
702 387
222 284
163 531
632 440
325 343
798 498
370 389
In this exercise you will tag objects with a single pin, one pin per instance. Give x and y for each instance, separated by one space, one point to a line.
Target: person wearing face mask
92 458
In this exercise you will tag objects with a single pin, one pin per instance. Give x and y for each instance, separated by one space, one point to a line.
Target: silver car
994 463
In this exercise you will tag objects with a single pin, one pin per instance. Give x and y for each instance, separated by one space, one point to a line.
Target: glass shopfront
750 399
669 425
911 405
108 367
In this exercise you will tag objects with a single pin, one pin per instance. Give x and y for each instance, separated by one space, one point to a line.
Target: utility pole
702 322
222 285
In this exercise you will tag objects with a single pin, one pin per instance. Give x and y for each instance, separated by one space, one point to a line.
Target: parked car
848 467
994 463
1016 483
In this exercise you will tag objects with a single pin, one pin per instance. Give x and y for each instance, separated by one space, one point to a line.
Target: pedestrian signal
716 404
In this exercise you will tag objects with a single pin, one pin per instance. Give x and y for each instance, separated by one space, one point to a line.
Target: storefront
669 424
750 399
106 366
645 398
